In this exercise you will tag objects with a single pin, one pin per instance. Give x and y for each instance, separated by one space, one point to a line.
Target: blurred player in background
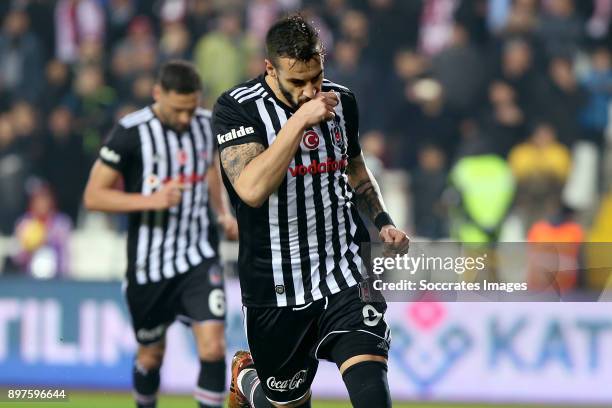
292 163
165 155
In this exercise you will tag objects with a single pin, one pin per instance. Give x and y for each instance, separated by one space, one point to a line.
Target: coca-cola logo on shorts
283 385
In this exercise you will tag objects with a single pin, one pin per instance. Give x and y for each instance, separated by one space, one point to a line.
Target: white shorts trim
289 402
341 332
190 321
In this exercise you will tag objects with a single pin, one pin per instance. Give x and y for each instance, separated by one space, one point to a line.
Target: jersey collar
262 80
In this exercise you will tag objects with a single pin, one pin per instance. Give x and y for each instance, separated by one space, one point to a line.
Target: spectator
260 15
142 89
421 119
333 13
14 172
472 15
541 157
40 14
521 19
482 189
460 69
349 68
64 146
25 119
77 21
200 18
598 85
569 98
541 166
92 102
135 54
517 70
58 81
560 29
428 183
119 14
554 252
175 42
436 25
43 233
221 56
21 63
503 120
355 28
394 25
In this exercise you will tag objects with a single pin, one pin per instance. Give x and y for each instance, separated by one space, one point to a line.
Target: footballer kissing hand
318 109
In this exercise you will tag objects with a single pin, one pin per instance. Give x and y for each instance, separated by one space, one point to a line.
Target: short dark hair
179 76
294 38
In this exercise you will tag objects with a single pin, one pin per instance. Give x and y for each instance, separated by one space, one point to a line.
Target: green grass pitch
83 399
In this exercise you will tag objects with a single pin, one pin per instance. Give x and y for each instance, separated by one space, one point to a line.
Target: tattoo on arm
235 158
368 198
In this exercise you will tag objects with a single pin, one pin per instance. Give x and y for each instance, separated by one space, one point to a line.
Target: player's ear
270 69
157 92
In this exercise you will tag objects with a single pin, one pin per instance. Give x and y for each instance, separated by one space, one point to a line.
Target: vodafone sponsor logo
310 140
186 178
317 168
287 385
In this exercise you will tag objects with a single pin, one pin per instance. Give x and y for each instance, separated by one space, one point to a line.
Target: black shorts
194 296
287 342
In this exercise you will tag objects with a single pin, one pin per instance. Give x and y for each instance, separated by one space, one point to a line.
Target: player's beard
295 104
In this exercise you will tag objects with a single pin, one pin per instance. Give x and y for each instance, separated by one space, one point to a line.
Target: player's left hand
230 227
396 241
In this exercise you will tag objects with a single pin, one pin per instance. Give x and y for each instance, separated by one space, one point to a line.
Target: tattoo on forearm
368 199
235 158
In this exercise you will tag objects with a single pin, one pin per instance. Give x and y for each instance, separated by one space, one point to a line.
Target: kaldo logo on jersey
287 385
310 140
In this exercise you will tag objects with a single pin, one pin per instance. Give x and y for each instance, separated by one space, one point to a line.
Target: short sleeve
351 119
118 149
233 126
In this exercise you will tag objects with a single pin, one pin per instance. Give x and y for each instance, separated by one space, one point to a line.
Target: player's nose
184 119
310 91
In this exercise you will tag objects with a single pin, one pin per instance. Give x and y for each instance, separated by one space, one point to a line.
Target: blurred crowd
493 109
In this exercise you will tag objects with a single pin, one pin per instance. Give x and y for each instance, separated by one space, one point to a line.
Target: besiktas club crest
336 133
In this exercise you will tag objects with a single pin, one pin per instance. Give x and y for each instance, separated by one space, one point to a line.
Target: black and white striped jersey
163 244
302 244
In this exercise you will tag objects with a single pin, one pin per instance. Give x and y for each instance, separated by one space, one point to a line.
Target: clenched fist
319 109
169 195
